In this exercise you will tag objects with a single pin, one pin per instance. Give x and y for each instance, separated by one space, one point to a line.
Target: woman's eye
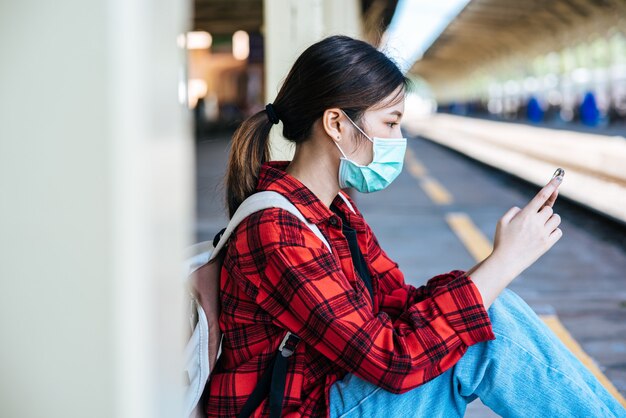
392 124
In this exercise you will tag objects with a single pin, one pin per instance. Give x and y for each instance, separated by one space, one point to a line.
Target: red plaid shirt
279 276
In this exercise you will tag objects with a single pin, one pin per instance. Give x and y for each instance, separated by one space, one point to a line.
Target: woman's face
380 121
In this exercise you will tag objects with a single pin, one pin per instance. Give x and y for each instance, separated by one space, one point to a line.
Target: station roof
224 17
486 30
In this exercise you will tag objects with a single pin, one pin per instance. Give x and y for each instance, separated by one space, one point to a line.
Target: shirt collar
273 176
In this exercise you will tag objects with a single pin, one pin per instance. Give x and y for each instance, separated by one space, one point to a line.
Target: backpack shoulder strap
273 380
259 201
277 200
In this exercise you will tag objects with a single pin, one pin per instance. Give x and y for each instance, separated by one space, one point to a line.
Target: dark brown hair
337 71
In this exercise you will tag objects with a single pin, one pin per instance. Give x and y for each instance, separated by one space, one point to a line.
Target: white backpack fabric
199 358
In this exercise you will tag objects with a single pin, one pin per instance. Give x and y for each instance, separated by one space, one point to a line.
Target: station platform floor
440 214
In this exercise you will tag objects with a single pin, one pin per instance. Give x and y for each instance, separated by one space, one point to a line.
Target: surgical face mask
384 168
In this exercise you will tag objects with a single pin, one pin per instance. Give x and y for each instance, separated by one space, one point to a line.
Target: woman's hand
524 235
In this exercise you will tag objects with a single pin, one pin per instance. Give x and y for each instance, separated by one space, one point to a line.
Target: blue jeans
525 372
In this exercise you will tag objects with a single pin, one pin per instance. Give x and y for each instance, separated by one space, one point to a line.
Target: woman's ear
331 122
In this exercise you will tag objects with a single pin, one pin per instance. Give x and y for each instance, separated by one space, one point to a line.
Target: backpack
204 345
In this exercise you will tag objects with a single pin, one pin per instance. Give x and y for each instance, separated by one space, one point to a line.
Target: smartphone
559 172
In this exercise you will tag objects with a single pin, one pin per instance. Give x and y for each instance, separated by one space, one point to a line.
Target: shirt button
333 221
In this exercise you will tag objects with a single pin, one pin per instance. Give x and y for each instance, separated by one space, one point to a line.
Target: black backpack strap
360 265
218 237
273 380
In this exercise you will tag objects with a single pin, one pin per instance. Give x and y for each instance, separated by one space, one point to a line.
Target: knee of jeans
503 299
508 293
509 313
502 308
508 298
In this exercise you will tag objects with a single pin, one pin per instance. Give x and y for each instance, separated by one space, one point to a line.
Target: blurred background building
559 63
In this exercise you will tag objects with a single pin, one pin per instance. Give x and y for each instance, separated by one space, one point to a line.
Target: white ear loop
340 150
357 126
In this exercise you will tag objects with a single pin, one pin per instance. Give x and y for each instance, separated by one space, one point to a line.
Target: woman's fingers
552 199
510 214
543 196
545 213
555 236
553 222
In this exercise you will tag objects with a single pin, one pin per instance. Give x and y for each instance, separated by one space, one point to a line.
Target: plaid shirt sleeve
305 291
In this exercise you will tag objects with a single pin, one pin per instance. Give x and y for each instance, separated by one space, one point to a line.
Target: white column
96 180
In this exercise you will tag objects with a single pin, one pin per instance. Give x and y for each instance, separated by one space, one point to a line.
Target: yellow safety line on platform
480 247
431 187
476 243
416 168
436 191
552 321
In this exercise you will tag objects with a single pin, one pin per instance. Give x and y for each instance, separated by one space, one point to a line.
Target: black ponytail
248 152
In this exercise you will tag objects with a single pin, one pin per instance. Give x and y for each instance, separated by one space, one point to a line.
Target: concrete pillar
96 173
289 27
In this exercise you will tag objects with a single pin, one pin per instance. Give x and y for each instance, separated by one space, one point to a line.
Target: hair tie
271 113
